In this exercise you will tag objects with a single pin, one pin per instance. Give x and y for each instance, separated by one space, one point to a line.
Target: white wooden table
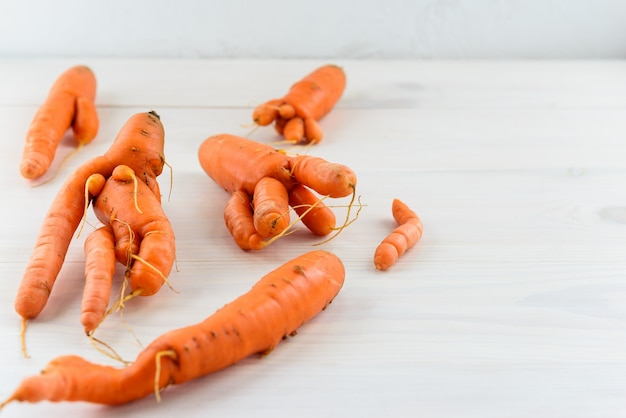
512 305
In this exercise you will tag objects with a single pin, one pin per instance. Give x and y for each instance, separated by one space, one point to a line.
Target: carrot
137 233
237 163
139 144
70 103
404 236
137 217
326 178
316 216
308 100
271 207
99 271
240 223
240 164
276 306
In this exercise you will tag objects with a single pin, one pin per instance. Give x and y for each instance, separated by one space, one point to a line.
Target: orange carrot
139 144
138 218
70 103
294 129
403 237
99 271
271 207
276 306
309 100
240 223
328 179
318 217
239 164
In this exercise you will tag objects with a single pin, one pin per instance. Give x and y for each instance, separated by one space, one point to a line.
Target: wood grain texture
512 304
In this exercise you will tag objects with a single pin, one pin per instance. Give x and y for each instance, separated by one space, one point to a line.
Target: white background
314 29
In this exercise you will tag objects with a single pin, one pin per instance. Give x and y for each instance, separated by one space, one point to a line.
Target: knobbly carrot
99 271
276 306
307 101
136 216
240 223
326 178
271 207
139 144
318 217
239 164
403 237
70 104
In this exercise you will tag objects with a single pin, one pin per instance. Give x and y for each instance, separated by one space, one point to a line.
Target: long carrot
240 164
404 236
306 102
70 103
276 306
139 144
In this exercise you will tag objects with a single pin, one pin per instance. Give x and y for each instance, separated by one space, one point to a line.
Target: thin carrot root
93 187
157 374
124 173
156 270
23 338
106 349
347 221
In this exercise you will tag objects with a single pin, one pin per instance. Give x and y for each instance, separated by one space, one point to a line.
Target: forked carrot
240 164
276 306
139 144
307 101
137 217
404 236
70 104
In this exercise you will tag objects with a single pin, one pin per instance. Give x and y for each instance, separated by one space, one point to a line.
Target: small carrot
326 178
318 217
307 101
270 207
404 236
276 306
70 103
139 144
99 271
240 223
240 164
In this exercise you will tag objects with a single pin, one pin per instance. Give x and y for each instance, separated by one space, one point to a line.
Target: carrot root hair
347 222
23 339
157 374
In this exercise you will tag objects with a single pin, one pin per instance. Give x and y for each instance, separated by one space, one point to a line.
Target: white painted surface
511 305
313 29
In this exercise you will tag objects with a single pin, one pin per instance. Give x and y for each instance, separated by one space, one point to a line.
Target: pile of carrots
265 184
